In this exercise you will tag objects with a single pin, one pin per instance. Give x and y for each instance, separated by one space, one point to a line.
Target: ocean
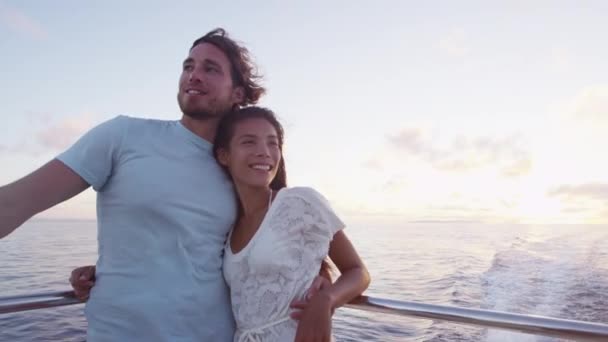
551 270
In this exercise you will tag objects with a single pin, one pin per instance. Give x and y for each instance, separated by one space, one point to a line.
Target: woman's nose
263 150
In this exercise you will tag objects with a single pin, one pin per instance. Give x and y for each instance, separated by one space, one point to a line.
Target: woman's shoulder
316 205
301 191
305 193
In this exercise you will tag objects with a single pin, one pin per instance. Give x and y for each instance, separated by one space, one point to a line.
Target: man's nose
195 76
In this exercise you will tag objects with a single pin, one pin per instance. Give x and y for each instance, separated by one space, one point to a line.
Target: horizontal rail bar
538 325
531 324
37 301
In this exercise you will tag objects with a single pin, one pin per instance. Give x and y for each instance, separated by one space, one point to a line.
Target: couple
173 228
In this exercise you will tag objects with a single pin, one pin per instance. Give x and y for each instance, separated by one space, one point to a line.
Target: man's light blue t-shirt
164 208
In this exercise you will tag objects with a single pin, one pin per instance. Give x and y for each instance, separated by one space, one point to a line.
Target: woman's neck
253 199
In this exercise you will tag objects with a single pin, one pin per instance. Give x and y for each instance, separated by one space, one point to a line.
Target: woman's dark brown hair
225 133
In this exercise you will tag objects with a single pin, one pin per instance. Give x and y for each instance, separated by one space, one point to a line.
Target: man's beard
204 114
214 112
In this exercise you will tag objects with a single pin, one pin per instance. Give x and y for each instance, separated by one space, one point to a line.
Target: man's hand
82 280
319 283
315 320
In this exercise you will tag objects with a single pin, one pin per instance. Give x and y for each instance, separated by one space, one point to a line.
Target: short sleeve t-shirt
164 208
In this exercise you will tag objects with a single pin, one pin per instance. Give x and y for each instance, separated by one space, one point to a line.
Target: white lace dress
279 264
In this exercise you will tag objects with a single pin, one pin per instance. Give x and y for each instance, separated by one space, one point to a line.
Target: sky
476 111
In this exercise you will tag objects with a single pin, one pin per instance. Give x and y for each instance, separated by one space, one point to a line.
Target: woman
280 239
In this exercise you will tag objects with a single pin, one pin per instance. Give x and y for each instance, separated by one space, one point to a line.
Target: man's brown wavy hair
243 71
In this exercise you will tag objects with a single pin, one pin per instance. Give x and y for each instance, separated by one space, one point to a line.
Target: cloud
464 154
394 184
52 136
454 43
591 104
372 164
575 210
595 191
589 199
603 216
64 133
460 209
21 23
410 140
518 168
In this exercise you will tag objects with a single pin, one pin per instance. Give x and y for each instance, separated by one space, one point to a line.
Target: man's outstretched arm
51 184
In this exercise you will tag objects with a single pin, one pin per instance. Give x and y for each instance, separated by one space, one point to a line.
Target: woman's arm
354 278
315 320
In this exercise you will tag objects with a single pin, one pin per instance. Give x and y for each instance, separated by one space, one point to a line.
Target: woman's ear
223 157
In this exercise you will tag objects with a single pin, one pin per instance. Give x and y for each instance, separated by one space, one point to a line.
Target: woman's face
254 153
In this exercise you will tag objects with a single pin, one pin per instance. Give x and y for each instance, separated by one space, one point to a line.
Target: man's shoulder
138 125
140 121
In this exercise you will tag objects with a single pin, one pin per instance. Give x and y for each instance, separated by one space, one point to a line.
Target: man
164 206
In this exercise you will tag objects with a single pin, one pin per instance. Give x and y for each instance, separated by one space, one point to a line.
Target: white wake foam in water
538 276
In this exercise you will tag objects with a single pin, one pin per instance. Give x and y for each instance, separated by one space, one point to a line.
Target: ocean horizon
550 270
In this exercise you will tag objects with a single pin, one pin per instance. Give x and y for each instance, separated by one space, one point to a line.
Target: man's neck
205 129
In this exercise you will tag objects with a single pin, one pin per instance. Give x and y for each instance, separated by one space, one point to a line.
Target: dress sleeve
331 223
95 154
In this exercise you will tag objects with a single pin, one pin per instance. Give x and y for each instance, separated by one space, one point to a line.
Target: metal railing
37 301
538 325
531 324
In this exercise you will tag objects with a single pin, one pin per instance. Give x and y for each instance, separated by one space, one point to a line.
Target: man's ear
238 95
223 157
